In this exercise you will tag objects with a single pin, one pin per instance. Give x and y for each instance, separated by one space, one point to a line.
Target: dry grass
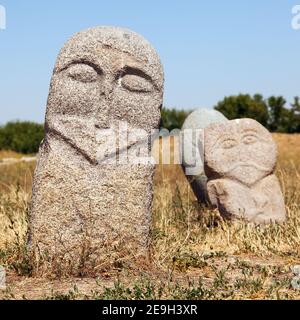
9 154
195 254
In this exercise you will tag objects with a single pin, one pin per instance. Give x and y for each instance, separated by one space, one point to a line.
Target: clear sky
209 48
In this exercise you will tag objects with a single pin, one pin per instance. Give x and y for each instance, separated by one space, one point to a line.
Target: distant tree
279 116
294 120
244 106
173 118
20 136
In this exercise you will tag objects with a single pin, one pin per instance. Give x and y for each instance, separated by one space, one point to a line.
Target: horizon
208 51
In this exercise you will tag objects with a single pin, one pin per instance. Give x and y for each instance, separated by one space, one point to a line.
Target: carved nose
241 154
102 116
102 120
107 87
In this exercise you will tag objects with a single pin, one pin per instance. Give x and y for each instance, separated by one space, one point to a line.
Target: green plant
24 137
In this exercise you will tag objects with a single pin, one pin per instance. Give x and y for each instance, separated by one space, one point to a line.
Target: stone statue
240 158
92 190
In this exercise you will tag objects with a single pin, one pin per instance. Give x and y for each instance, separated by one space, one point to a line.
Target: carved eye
229 143
250 138
136 83
82 72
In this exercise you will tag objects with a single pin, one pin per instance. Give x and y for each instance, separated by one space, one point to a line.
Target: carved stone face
242 150
102 76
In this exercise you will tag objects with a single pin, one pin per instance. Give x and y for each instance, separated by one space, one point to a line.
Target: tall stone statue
92 190
239 161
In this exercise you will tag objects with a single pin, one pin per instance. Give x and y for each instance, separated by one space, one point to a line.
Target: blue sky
209 48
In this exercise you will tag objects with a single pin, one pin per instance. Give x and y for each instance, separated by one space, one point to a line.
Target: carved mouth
248 165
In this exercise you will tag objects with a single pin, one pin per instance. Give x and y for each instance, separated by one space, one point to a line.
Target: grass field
195 255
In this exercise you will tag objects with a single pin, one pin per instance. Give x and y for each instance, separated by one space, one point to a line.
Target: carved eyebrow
86 62
249 130
221 139
261 137
136 72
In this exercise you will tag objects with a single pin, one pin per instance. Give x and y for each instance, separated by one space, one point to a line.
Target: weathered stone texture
104 77
240 158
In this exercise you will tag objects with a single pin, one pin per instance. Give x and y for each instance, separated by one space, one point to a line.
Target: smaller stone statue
239 161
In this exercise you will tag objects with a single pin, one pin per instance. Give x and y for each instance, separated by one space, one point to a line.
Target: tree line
273 113
21 136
